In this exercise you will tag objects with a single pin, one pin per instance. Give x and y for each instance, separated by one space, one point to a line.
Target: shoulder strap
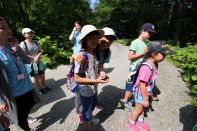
151 68
27 51
138 70
84 53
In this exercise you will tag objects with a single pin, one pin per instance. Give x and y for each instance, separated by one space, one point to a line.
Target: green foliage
186 58
52 54
123 41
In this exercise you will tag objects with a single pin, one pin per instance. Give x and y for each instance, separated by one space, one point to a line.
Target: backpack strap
26 49
152 71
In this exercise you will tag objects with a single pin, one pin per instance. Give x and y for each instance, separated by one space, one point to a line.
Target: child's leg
141 122
78 107
136 112
87 103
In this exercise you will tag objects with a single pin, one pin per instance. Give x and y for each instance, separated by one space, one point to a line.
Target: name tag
20 76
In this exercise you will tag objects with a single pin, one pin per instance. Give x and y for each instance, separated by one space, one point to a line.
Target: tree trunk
181 7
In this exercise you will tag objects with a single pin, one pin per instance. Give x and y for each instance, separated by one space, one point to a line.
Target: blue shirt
77 44
10 63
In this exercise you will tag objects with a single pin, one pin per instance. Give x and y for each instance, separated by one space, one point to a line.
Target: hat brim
152 31
101 33
168 51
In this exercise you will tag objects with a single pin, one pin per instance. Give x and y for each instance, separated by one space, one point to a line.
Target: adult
74 36
19 82
102 51
36 68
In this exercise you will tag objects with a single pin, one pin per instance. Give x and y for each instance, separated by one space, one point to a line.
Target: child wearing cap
86 74
136 53
145 83
37 67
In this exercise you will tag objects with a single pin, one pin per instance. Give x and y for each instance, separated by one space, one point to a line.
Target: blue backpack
134 74
72 85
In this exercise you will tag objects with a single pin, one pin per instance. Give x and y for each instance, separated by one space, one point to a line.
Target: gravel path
172 113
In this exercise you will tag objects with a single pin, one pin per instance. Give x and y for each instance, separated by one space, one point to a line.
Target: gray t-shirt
91 73
32 48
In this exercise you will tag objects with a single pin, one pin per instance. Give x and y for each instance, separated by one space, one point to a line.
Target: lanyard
13 58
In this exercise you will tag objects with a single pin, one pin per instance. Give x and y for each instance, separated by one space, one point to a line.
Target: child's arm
132 55
38 55
144 93
72 34
82 80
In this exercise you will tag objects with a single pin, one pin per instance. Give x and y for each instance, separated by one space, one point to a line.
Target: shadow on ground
109 70
188 116
54 95
61 111
109 97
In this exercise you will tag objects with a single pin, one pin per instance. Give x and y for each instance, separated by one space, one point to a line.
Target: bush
123 41
54 53
186 58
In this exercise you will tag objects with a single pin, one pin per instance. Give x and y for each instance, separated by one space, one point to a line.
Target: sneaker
132 126
31 120
143 125
80 119
31 129
125 105
42 91
95 121
47 88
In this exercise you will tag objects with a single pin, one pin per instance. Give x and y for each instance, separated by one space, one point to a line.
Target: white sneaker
31 120
31 129
95 121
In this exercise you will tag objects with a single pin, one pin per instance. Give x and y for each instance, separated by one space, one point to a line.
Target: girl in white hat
86 75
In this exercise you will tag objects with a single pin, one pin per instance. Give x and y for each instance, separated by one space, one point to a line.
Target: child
36 68
136 53
87 75
75 36
103 54
143 85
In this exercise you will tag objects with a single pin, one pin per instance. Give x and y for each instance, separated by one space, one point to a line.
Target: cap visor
152 31
168 51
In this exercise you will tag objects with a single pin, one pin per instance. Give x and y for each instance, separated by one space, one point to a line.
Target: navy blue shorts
128 86
89 104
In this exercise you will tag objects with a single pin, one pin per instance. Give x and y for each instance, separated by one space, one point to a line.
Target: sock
132 122
141 118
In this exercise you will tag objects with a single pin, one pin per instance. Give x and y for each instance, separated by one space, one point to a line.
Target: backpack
72 85
134 74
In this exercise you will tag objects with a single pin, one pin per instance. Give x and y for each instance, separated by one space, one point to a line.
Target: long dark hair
84 41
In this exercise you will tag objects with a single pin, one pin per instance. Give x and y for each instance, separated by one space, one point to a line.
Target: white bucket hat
86 29
27 30
109 31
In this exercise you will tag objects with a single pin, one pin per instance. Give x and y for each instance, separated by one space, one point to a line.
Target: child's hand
145 103
101 81
36 59
78 57
145 50
103 76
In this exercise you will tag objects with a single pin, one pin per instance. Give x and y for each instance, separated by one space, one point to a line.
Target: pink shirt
145 75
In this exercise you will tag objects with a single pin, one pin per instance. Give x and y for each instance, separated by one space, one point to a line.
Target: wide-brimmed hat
87 29
156 46
27 30
109 32
149 27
